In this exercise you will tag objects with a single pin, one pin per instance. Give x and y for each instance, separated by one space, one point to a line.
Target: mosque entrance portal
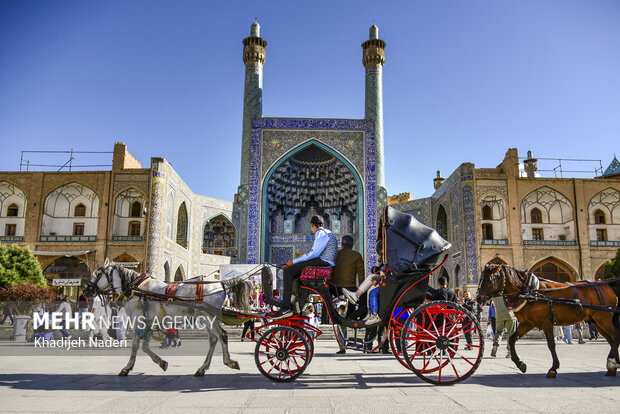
311 181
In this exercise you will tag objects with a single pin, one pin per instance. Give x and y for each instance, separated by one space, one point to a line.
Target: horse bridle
94 284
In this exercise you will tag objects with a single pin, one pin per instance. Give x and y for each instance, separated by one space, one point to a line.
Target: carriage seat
319 272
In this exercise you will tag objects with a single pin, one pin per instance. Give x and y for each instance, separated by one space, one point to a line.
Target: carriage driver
323 253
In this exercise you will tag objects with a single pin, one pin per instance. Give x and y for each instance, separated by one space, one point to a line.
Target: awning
68 254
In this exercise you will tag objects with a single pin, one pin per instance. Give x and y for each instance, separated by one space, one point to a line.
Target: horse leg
604 324
548 330
156 359
205 366
132 359
521 330
225 354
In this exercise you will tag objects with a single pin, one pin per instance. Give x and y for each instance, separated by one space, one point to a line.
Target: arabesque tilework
274 138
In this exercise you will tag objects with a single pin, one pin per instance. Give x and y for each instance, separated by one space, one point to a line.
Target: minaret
254 53
373 60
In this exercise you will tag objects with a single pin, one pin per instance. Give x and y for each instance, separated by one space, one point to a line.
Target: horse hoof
611 372
199 373
552 374
523 367
163 365
234 365
123 373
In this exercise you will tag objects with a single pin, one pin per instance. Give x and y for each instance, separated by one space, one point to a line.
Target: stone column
154 264
254 54
373 60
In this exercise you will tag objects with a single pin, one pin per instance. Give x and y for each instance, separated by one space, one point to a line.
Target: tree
18 265
612 269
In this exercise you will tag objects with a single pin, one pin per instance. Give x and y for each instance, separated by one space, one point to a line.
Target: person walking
492 317
505 324
568 334
579 328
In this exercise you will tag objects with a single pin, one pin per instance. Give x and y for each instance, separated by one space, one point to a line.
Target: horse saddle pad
310 273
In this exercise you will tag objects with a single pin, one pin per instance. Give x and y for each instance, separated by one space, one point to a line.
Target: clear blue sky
464 80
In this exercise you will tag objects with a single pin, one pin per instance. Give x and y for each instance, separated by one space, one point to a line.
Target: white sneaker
351 296
372 320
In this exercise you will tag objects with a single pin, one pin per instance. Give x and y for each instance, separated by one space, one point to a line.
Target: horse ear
106 262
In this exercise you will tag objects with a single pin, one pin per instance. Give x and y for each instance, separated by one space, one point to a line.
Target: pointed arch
555 269
264 226
179 275
182 225
220 236
441 222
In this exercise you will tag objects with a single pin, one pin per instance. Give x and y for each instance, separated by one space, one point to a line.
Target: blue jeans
568 333
373 300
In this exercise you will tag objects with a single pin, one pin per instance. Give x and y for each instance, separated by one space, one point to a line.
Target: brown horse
544 303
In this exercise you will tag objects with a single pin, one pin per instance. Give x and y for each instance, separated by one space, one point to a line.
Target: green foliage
612 267
24 296
18 265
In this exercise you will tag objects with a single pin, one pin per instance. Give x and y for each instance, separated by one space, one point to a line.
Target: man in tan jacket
349 273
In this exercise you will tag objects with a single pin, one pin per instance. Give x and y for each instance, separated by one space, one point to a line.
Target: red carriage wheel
434 345
282 354
396 327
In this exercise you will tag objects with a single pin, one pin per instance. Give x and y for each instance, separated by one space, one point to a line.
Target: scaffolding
25 164
558 166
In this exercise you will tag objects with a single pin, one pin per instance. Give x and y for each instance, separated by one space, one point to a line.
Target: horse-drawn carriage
426 338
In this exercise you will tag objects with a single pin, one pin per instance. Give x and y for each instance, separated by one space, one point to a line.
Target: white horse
148 300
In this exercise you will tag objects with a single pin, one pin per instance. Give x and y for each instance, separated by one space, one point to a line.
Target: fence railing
606 243
495 242
9 239
552 243
68 238
128 238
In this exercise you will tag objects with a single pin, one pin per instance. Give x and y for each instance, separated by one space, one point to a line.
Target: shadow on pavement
218 382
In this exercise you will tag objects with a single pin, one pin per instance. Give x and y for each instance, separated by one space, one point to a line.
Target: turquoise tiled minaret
254 53
373 60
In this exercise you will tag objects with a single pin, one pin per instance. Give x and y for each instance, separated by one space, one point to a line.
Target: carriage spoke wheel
434 345
282 354
396 327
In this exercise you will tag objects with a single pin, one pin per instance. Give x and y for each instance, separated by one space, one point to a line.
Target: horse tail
241 289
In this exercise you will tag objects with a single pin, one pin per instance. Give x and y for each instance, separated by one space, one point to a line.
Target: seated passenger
323 254
374 278
373 281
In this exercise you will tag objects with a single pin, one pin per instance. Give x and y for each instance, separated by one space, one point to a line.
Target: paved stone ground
355 382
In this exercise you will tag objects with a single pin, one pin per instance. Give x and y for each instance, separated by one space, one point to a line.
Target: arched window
487 213
442 222
80 210
136 208
536 215
599 217
182 226
552 270
12 210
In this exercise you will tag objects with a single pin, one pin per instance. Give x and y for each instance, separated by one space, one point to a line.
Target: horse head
490 285
106 279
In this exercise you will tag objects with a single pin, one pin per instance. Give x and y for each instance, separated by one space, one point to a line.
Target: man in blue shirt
323 254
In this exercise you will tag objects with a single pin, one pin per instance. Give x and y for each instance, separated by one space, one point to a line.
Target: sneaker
468 348
373 319
581 341
282 313
342 351
508 355
494 351
351 296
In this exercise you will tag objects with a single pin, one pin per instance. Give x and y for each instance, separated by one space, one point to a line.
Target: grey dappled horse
149 308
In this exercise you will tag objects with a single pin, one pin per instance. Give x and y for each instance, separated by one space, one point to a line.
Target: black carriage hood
405 243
